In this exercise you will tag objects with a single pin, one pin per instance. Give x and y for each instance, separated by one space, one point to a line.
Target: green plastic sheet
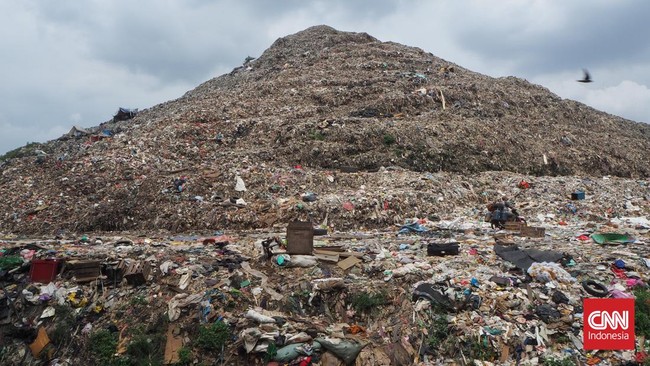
612 238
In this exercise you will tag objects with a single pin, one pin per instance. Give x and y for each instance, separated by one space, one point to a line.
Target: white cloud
627 99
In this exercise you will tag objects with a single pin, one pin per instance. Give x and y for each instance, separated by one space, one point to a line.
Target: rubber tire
594 288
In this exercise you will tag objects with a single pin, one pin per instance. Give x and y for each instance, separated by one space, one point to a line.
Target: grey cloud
181 43
589 36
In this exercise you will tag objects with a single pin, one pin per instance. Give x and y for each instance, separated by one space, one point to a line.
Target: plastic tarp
612 238
124 113
524 258
412 228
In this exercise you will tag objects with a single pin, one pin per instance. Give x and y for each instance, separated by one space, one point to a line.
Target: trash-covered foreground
448 289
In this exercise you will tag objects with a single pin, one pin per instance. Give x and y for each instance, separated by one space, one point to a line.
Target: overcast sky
68 63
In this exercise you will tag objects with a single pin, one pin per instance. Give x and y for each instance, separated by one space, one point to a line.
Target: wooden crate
514 225
533 232
82 270
136 272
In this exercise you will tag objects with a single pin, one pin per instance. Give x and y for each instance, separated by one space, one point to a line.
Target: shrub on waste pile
481 349
561 338
317 135
184 357
271 352
64 324
558 362
365 302
102 344
438 333
389 139
27 150
139 300
145 349
642 312
213 337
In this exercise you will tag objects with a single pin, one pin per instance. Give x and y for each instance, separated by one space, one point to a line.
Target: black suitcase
442 249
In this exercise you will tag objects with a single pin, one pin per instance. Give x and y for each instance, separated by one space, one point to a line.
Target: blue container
578 195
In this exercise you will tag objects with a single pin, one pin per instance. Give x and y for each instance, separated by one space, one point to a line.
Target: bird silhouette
587 78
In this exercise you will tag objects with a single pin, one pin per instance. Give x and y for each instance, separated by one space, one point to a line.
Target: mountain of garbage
321 118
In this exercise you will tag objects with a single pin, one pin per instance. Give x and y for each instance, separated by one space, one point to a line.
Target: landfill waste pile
240 149
331 202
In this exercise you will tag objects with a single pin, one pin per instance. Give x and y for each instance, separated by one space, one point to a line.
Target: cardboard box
300 237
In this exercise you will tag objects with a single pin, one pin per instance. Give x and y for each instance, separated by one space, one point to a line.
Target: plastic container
43 270
578 196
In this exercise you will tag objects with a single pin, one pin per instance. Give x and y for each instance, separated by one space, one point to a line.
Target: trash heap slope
322 99
327 98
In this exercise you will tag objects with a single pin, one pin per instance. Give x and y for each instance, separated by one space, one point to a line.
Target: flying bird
587 78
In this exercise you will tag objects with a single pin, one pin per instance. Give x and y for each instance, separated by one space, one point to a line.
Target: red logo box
608 324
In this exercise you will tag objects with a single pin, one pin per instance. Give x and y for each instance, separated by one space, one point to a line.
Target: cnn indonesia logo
608 324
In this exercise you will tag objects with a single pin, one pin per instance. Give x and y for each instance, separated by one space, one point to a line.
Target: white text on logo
599 320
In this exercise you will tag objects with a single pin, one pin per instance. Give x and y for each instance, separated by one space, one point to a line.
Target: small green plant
64 323
102 344
271 352
124 361
139 300
316 135
364 302
439 332
145 349
559 362
20 152
389 139
642 312
481 350
213 337
562 339
184 356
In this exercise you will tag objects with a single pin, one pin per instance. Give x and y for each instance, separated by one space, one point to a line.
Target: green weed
316 135
145 349
103 344
139 300
642 312
365 302
481 350
558 362
562 339
65 322
213 337
184 356
271 352
27 150
389 139
438 333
